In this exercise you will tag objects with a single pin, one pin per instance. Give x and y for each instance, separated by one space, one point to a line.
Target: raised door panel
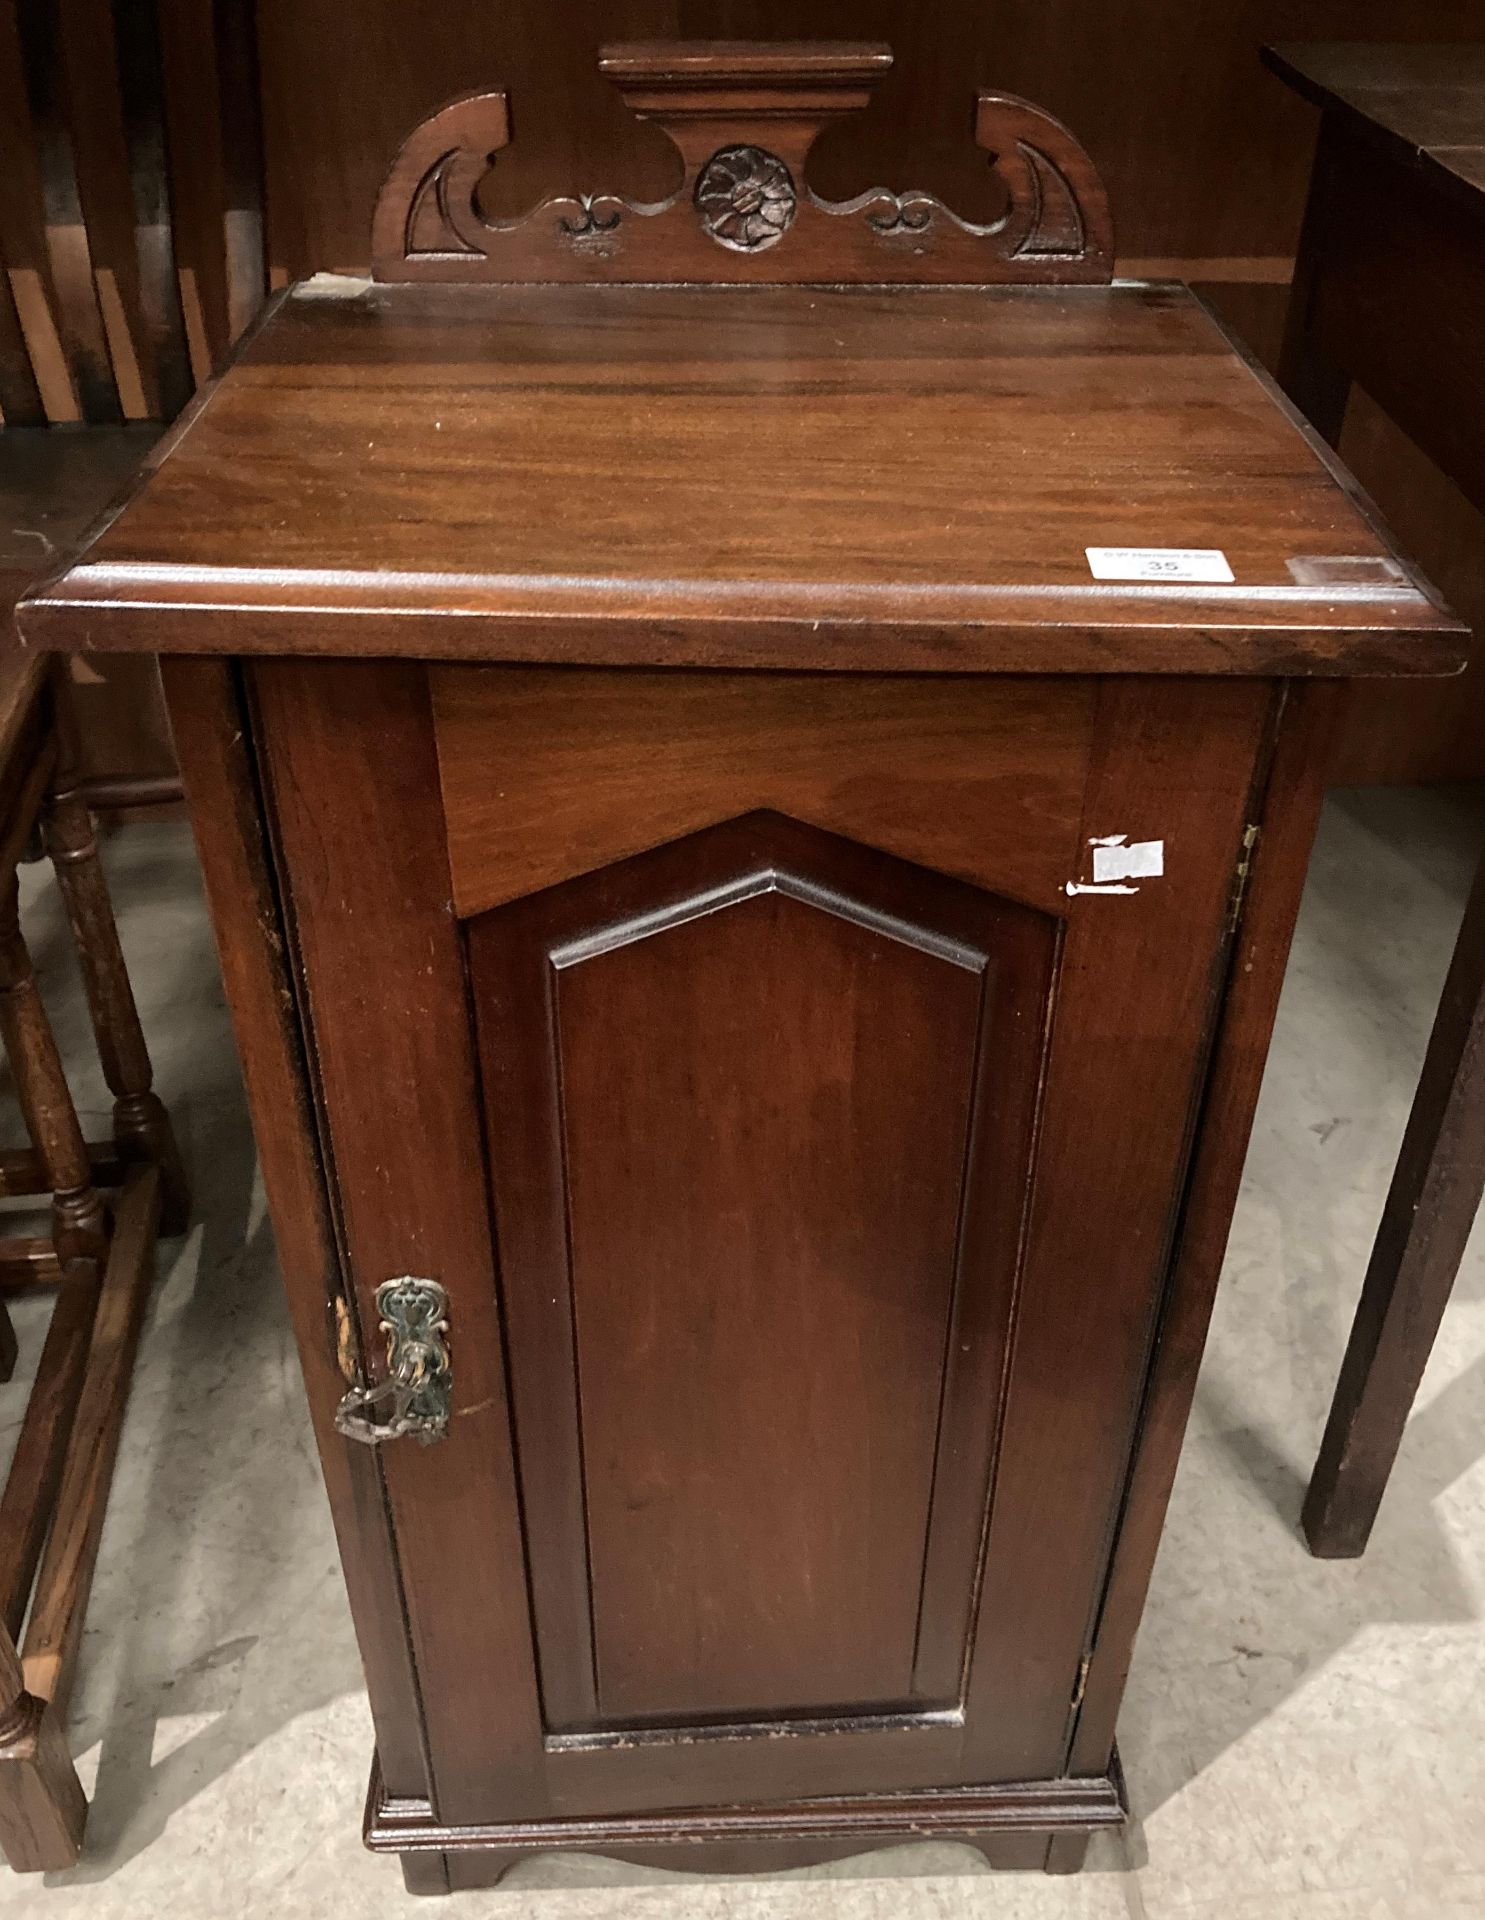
762 1257
760 1109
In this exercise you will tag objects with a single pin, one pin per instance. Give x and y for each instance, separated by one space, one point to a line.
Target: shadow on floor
217 1614
1385 895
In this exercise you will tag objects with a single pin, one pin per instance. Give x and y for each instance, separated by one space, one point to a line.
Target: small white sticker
1159 563
1116 861
332 286
1145 860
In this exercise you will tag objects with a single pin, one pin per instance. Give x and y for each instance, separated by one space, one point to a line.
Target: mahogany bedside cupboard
754 759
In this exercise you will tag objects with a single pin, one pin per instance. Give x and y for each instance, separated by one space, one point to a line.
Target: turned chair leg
42 1805
141 1124
79 1225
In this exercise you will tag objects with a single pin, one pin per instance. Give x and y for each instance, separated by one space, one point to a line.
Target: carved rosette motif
745 198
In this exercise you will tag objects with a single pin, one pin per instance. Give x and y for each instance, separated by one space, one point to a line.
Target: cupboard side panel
1260 950
1140 987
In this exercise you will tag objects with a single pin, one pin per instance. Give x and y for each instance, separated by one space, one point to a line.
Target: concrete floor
1300 1739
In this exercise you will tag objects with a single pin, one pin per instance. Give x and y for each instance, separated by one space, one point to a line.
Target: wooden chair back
131 233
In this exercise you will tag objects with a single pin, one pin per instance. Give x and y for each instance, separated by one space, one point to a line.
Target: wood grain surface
756 1177
702 999
548 773
801 477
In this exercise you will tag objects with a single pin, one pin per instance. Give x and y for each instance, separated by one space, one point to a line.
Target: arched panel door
830 1171
759 1108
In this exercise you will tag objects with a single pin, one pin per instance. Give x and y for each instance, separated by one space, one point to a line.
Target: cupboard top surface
893 479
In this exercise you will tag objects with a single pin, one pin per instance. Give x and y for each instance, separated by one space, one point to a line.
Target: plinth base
1032 1825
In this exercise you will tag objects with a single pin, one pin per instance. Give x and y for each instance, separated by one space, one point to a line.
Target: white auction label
1159 563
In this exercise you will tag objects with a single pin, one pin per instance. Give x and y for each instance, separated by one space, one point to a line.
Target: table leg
1431 1206
1317 386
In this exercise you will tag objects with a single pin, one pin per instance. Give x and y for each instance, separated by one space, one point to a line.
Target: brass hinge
1240 878
1082 1684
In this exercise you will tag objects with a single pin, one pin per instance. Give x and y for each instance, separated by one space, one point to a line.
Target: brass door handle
413 1399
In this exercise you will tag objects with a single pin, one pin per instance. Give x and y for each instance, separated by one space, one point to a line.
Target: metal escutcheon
414 1397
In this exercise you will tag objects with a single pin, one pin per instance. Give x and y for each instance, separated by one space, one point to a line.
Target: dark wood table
754 759
1389 292
1390 280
